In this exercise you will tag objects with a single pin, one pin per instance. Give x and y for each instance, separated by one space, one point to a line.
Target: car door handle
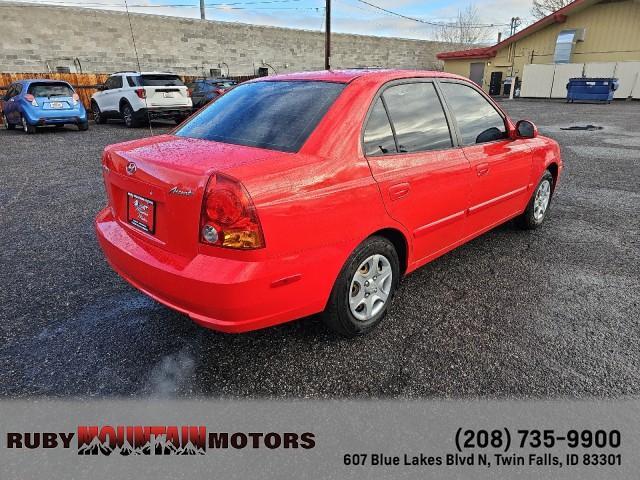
482 169
399 190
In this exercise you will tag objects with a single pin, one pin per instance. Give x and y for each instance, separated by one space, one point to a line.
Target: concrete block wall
38 38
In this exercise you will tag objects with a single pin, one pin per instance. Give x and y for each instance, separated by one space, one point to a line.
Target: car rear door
501 167
9 103
423 179
198 93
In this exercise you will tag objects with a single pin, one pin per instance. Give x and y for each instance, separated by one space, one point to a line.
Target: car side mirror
526 129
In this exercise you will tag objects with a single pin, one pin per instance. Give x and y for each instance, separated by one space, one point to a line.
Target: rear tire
364 288
7 125
538 205
98 116
27 127
128 115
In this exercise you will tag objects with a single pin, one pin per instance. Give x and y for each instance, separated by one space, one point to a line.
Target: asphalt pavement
547 314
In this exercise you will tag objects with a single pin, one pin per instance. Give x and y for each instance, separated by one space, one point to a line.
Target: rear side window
417 117
50 90
378 137
273 115
478 121
160 81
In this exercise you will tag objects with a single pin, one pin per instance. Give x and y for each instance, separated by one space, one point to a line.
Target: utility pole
202 15
327 36
515 23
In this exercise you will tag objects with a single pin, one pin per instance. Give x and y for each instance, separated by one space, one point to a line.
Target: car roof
348 75
40 80
131 72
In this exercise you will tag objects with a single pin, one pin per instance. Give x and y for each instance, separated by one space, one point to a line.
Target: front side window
276 115
417 117
478 121
378 137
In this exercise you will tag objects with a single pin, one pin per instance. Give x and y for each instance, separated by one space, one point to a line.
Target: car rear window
160 81
50 90
275 115
224 84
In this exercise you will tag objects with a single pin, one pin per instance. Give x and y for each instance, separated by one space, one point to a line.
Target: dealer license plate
141 212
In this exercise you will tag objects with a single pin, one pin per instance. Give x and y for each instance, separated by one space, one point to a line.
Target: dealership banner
319 439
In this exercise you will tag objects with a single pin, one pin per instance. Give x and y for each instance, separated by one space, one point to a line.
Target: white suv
137 97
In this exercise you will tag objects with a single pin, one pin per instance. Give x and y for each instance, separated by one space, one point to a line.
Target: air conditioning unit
580 33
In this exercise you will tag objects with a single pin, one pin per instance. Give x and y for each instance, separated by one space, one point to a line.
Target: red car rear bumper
218 293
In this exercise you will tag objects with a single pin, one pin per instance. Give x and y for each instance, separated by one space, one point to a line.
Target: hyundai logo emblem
131 168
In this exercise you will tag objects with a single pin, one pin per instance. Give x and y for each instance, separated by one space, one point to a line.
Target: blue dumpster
592 89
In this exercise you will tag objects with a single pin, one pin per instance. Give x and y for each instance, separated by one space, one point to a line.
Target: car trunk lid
167 176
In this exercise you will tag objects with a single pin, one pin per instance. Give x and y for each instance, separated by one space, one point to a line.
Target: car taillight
30 98
229 218
189 92
141 92
220 91
76 98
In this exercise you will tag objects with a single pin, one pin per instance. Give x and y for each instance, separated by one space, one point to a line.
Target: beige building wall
612 34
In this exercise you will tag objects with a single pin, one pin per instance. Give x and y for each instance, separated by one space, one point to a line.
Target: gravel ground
548 314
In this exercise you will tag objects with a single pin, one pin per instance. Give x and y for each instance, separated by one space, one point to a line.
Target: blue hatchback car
35 103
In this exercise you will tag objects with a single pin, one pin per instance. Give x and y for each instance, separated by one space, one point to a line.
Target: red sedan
316 192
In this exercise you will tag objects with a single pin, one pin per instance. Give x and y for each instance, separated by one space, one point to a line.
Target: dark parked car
206 89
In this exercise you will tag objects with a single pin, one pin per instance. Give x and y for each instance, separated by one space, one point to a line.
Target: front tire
538 206
364 288
83 127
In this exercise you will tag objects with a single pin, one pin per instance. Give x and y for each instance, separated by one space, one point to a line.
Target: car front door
500 166
423 179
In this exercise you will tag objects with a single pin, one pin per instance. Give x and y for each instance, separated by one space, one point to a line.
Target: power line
432 23
172 5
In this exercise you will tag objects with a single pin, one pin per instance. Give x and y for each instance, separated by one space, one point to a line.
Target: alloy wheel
127 113
370 287
541 200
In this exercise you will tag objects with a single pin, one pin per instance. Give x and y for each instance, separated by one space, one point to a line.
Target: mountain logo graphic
139 440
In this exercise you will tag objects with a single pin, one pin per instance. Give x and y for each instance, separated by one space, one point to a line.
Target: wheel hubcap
127 116
541 200
5 122
24 124
370 287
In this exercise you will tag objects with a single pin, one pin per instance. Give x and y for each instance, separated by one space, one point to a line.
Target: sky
348 16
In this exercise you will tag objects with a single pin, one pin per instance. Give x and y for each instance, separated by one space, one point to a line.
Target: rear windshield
224 84
159 81
272 115
50 90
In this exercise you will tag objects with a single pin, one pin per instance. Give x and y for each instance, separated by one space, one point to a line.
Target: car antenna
135 49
